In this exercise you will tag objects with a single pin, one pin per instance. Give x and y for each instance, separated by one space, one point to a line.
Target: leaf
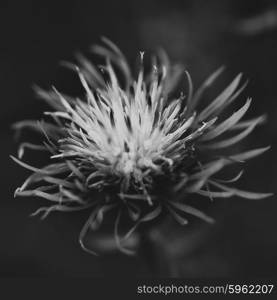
118 240
75 170
196 186
91 74
215 194
148 217
52 98
236 178
248 154
115 56
99 216
71 196
181 220
190 89
59 207
192 211
202 176
210 169
48 170
221 99
228 123
51 197
44 171
245 124
206 84
22 146
241 193
58 181
33 125
181 183
230 100
200 131
152 215
233 140
134 211
84 231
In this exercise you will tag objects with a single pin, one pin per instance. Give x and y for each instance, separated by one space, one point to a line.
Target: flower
131 140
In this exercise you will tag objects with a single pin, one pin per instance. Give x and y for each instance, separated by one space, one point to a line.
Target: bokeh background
203 35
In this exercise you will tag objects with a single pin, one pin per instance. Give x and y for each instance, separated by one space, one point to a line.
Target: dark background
204 35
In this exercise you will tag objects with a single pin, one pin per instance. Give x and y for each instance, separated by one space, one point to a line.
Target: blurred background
203 35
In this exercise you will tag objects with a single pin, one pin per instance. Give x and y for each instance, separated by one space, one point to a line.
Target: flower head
131 140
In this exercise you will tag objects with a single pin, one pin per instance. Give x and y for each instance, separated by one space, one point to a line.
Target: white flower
125 137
